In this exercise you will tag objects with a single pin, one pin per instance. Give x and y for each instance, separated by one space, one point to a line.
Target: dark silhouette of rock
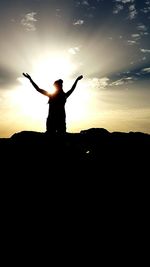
93 166
95 144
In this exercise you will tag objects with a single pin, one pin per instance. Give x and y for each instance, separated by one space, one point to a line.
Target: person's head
58 84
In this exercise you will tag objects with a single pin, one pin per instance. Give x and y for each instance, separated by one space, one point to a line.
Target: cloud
147 70
146 9
118 8
105 82
132 12
145 50
28 21
121 4
122 81
85 3
101 83
129 77
142 27
78 22
136 36
131 42
125 1
82 2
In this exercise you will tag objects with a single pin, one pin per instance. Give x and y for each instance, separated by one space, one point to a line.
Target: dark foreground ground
93 165
93 178
82 187
95 145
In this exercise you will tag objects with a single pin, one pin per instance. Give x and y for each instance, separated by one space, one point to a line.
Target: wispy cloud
105 82
131 76
145 50
146 9
141 27
82 2
99 83
78 22
121 4
125 1
132 12
122 81
147 70
85 3
29 20
118 8
136 36
131 42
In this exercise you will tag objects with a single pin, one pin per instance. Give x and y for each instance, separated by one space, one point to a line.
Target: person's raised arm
74 86
35 85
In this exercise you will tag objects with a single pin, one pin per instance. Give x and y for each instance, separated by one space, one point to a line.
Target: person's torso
57 103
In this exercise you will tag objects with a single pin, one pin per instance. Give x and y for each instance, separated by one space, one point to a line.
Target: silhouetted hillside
95 144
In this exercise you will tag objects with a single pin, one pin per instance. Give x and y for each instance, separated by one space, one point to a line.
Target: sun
51 90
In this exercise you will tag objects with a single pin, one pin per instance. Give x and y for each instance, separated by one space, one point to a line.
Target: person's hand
27 75
80 77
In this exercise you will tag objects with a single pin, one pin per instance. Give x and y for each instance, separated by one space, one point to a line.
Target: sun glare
51 90
44 73
53 67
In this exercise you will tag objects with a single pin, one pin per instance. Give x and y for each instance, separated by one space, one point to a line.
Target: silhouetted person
56 120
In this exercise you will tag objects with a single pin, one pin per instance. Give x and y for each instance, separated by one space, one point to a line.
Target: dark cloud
130 76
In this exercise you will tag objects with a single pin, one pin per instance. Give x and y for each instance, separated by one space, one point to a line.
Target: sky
106 41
